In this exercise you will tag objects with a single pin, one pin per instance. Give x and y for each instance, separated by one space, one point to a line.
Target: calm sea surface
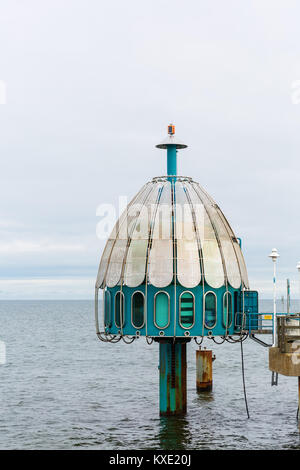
61 388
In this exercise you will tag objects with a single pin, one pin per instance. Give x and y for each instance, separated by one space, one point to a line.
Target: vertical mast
171 144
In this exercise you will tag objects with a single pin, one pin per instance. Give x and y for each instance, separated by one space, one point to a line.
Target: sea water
61 388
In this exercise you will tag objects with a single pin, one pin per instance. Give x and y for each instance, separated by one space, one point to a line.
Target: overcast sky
90 87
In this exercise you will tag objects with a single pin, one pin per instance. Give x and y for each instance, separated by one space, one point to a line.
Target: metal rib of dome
172 232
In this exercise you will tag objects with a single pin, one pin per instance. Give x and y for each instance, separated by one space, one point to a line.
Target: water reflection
204 397
174 433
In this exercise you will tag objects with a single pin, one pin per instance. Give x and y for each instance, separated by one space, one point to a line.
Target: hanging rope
223 338
198 342
130 340
243 376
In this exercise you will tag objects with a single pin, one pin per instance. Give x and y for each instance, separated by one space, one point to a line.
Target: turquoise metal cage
185 313
172 270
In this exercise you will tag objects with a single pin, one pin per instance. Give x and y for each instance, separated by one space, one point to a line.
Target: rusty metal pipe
204 377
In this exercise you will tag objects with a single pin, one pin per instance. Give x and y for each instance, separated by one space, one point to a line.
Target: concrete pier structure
284 363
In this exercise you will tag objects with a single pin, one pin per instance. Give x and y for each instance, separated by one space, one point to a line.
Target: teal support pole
172 377
171 160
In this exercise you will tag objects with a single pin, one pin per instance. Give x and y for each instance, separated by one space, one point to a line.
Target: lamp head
274 255
171 140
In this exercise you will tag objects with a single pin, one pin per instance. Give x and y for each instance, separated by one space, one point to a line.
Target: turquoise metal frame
150 329
171 160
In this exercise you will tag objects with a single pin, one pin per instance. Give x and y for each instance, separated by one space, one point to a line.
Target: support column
204 379
171 160
172 377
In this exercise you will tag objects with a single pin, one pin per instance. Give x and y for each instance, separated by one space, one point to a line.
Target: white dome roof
172 232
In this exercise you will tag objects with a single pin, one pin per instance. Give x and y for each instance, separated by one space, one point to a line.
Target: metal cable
130 340
150 237
201 341
201 260
243 376
135 220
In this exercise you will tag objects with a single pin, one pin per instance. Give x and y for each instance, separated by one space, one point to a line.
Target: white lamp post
274 255
298 267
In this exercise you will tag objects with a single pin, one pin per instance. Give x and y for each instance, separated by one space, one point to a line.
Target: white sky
90 87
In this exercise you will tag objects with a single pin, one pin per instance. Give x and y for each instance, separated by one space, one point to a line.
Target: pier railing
262 323
255 323
288 327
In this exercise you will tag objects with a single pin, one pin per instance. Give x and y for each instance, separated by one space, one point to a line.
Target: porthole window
186 310
119 309
161 309
137 309
210 309
107 309
227 310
